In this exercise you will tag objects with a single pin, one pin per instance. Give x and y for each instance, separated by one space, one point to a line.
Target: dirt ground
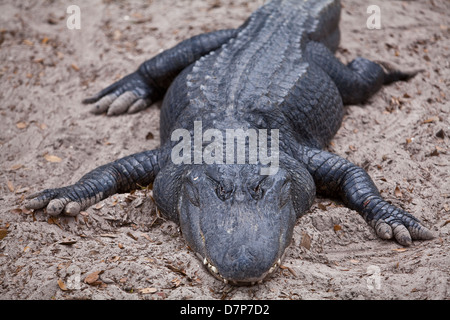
121 248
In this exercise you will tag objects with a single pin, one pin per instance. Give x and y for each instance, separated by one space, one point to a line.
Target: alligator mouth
250 282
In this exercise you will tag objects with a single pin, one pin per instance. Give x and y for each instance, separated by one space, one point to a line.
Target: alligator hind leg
148 84
335 176
358 80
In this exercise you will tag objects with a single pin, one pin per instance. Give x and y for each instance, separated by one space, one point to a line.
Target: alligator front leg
148 84
120 176
334 175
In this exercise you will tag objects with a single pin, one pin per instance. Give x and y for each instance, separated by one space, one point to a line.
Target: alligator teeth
205 261
225 281
276 265
213 269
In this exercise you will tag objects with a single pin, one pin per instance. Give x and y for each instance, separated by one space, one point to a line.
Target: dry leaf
62 285
51 158
108 235
337 227
16 210
75 67
114 259
16 167
162 295
130 198
398 193
146 236
132 236
289 269
432 119
92 278
176 282
3 233
22 190
138 202
440 134
26 211
177 270
99 206
67 242
21 125
434 153
306 241
149 136
147 290
400 249
10 185
117 35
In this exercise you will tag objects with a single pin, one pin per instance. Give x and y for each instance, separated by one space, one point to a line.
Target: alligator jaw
215 272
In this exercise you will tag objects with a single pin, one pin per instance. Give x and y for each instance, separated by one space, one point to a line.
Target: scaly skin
277 71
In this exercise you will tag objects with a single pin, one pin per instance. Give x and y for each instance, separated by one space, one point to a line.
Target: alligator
277 72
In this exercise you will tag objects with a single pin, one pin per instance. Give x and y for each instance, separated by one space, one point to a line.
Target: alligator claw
103 104
392 74
56 201
400 225
130 94
39 200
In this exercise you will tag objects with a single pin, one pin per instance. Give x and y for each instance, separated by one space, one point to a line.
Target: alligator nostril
242 259
245 263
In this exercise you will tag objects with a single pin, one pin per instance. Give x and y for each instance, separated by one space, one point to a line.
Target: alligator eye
192 193
285 193
257 192
223 193
258 189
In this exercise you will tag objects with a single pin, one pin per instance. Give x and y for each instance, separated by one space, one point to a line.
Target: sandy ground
120 248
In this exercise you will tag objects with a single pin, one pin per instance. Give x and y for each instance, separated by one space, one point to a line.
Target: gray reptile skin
276 72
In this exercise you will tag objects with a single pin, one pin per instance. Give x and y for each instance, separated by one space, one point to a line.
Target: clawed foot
392 74
391 222
67 200
131 94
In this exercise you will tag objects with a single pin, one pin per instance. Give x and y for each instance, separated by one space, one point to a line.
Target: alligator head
238 221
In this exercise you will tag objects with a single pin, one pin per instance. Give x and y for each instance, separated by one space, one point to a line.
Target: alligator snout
243 265
242 262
